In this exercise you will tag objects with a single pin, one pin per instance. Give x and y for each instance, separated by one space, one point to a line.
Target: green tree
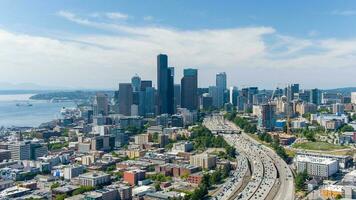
158 186
300 180
347 128
55 185
61 197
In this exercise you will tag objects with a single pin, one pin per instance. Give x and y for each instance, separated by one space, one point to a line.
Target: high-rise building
150 101
213 92
38 150
338 108
206 101
101 104
189 91
125 98
177 96
234 93
304 95
136 83
221 80
165 86
267 119
20 150
145 84
220 89
353 97
291 91
315 96
251 92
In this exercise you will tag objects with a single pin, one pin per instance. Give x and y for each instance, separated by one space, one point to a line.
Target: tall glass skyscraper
125 98
136 83
221 88
165 86
189 91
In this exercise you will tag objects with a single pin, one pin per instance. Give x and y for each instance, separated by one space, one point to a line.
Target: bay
19 110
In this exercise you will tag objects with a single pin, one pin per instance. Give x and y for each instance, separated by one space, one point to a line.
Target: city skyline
71 45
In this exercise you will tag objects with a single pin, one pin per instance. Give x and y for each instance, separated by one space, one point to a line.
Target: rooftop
311 159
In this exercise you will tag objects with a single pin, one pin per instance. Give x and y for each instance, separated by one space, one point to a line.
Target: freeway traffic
270 177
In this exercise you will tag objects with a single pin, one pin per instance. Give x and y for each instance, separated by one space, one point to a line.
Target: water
24 115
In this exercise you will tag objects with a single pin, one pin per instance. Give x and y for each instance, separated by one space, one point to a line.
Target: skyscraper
213 92
165 85
125 98
189 91
234 93
101 104
267 119
145 84
177 96
136 83
221 80
221 88
291 91
315 96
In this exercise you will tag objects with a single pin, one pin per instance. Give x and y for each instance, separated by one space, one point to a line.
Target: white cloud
116 15
344 12
148 18
250 55
313 33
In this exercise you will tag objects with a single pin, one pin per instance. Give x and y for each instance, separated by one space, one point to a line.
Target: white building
73 171
182 147
320 167
353 97
94 179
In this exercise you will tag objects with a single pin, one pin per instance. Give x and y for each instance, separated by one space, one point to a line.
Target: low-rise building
332 191
132 177
319 167
203 160
96 178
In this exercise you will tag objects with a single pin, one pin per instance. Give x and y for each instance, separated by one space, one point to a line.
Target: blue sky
97 44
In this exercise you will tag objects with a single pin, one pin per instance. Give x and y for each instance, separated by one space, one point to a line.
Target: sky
99 43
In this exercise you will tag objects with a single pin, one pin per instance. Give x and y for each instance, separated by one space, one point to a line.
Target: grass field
318 146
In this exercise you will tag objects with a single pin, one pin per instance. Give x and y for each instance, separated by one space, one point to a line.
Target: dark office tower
164 85
221 80
267 119
136 83
150 95
177 96
221 88
315 96
101 104
145 84
234 93
294 90
290 91
251 91
189 91
125 98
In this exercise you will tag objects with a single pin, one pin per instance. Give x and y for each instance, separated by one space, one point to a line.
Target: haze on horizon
257 43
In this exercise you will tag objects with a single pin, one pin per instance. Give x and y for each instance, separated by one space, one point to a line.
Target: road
271 178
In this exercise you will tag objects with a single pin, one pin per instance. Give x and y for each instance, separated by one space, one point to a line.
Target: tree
300 179
61 197
157 186
347 128
83 189
55 185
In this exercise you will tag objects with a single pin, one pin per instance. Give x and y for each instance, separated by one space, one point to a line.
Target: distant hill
69 95
344 91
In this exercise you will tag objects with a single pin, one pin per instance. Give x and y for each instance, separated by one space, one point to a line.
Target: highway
270 177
